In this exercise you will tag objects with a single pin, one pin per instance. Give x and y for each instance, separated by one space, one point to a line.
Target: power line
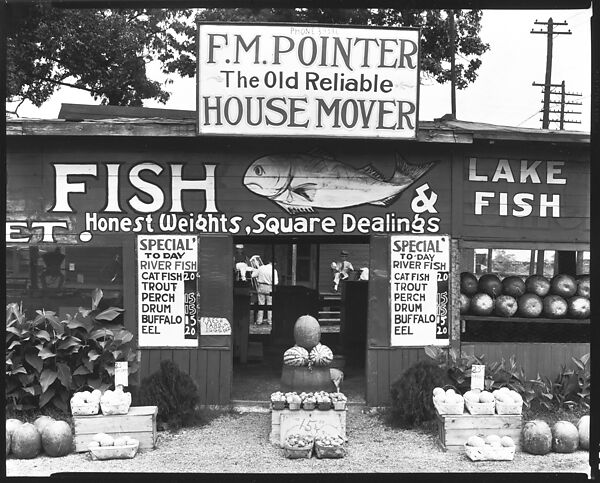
550 33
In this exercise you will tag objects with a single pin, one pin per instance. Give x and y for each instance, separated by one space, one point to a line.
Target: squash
307 332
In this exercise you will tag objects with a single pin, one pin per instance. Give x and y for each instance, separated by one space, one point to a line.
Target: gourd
296 356
321 355
307 332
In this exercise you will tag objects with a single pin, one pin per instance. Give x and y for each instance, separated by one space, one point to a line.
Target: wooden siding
544 358
211 364
384 367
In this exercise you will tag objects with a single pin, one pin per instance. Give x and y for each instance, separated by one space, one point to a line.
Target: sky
502 94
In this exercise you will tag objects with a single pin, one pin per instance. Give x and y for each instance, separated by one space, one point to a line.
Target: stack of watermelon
27 440
564 437
308 350
563 296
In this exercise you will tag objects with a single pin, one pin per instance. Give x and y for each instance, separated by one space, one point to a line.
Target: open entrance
326 277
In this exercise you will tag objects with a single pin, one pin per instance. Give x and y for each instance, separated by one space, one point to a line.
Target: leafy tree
105 52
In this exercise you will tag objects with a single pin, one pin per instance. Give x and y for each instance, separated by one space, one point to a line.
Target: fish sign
302 183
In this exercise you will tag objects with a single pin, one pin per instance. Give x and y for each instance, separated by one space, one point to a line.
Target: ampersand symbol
421 202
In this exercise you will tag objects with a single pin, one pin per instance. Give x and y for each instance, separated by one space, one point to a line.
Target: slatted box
282 421
454 430
138 423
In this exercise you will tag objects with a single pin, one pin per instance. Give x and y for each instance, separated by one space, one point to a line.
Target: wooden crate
454 430
308 419
138 423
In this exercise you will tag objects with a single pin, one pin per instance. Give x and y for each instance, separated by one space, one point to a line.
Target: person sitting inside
341 270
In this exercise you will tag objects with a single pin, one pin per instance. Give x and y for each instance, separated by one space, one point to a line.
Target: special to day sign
419 275
167 290
307 80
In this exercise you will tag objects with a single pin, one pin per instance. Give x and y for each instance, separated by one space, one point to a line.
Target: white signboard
307 80
214 326
167 290
477 376
419 276
121 374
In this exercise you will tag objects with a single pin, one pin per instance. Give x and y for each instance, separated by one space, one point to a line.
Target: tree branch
66 84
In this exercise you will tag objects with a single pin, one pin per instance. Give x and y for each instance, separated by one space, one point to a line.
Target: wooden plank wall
384 367
211 364
544 357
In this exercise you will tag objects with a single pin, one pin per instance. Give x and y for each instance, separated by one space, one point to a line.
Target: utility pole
548 80
452 63
563 103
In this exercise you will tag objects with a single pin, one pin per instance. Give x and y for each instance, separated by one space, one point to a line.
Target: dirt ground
239 443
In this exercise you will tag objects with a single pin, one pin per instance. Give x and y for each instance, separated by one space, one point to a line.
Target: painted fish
300 183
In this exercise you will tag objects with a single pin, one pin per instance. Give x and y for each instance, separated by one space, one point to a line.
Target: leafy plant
47 359
412 401
174 393
571 387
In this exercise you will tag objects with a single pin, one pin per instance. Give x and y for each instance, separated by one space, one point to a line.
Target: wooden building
97 180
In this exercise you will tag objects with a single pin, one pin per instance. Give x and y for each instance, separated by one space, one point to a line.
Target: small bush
412 402
174 393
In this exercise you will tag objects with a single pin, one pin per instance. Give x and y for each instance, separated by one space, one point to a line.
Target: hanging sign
307 80
167 290
419 275
477 376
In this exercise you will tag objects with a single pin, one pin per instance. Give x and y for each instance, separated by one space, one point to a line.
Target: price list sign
167 290
419 276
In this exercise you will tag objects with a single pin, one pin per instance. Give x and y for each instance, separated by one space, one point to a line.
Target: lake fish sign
307 80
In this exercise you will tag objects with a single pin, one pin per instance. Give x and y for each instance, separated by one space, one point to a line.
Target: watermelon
26 441
307 332
321 355
565 437
536 437
41 422
11 424
513 286
57 438
468 283
490 284
583 426
295 356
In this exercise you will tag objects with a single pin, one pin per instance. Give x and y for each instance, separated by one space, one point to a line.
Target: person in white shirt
266 277
341 270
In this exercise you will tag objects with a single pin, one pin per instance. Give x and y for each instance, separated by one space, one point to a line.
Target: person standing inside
266 277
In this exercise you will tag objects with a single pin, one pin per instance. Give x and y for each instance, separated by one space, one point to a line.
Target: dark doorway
306 270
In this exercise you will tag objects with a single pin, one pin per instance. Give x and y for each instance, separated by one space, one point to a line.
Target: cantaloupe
26 441
536 437
583 426
307 332
565 437
57 438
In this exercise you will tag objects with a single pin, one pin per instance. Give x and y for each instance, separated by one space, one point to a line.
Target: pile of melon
308 350
104 440
563 296
26 440
492 440
115 402
564 437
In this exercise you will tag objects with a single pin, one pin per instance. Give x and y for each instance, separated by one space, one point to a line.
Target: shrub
174 392
412 402
47 359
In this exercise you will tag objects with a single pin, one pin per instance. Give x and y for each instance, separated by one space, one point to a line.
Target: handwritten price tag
477 376
121 374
